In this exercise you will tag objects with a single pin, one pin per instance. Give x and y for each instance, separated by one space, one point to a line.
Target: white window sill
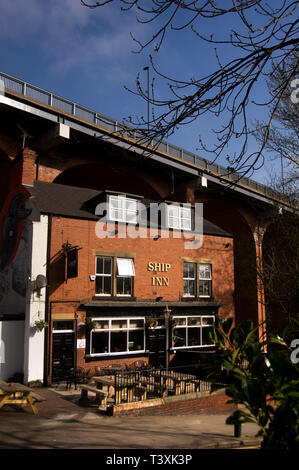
121 353
174 348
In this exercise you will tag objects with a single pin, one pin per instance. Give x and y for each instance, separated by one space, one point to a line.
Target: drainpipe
167 312
46 343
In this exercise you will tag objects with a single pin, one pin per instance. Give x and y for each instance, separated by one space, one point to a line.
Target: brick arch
5 171
230 219
4 158
115 177
280 250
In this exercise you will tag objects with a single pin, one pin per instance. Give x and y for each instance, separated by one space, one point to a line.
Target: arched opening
103 176
5 174
280 270
229 219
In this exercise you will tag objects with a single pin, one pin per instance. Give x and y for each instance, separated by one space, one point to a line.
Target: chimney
29 167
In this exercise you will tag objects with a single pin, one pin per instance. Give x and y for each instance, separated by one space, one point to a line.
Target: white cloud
69 34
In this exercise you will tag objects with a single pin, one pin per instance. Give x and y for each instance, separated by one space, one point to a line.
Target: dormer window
179 217
123 209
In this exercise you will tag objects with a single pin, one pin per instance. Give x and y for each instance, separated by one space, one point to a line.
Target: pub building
81 283
119 299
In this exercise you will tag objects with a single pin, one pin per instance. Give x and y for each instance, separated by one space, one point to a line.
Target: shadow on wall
230 220
11 348
280 263
57 271
117 177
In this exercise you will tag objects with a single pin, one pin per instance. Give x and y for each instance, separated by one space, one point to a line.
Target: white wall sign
81 343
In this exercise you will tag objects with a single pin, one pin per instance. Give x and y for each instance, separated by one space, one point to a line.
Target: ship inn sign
159 267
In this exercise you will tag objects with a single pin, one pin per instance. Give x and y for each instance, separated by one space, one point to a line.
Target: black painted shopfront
153 330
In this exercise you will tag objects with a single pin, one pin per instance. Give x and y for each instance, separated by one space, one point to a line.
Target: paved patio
63 424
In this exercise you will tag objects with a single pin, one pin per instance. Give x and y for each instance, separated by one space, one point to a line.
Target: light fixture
38 284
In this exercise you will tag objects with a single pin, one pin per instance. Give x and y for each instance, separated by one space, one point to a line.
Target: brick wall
29 169
217 250
47 174
184 405
145 250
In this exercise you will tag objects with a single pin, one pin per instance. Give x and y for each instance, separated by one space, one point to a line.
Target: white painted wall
11 348
35 306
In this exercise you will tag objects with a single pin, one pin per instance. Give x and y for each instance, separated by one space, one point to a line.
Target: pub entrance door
63 349
157 344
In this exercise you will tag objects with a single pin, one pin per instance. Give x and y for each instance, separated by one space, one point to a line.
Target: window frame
205 279
110 330
186 327
123 209
198 280
123 278
114 276
179 217
111 275
66 330
189 279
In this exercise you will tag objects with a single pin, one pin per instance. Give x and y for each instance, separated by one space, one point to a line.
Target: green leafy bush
261 376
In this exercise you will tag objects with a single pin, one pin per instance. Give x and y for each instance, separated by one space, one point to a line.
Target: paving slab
63 424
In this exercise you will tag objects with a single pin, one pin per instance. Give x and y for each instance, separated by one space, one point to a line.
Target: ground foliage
263 377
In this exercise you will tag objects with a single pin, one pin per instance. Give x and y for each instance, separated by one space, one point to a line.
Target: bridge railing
31 91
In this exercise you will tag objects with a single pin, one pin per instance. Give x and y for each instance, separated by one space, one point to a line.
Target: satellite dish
41 281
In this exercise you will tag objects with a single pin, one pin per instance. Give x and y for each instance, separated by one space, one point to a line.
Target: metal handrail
51 99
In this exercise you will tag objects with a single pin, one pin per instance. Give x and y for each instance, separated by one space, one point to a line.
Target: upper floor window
104 272
123 209
205 280
202 272
124 276
179 217
189 279
114 276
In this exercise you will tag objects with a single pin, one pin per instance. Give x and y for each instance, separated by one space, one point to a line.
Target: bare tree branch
267 33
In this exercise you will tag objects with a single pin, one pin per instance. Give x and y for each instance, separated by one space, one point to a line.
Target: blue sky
86 56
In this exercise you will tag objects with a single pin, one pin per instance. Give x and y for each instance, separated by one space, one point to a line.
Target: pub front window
117 336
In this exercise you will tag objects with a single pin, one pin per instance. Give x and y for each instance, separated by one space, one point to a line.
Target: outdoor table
103 381
174 380
112 369
124 389
184 383
16 394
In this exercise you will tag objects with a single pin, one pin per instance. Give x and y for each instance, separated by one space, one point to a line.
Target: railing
133 386
31 91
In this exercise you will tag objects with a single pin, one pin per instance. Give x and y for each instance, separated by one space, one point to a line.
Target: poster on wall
14 280
14 241
81 343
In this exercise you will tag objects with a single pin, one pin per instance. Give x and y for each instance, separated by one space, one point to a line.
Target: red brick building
123 285
116 299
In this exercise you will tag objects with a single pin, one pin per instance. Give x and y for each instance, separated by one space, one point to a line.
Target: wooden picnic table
18 394
124 391
104 381
177 381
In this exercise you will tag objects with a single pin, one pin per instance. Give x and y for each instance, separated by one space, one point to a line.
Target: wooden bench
101 395
158 389
140 392
37 397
